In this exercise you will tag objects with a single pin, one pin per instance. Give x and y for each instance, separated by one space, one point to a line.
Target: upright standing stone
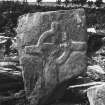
61 56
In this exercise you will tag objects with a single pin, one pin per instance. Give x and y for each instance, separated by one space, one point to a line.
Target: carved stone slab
62 52
31 26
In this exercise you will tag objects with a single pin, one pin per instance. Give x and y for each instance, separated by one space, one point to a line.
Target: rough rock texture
62 55
75 65
96 72
32 69
96 95
31 26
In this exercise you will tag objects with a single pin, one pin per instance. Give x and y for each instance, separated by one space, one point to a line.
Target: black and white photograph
52 52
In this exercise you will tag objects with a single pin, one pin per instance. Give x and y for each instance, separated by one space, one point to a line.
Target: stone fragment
96 72
75 65
96 68
96 95
59 60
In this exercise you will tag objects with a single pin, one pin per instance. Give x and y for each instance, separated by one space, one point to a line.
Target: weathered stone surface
31 26
61 56
96 72
32 70
75 65
79 45
96 95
